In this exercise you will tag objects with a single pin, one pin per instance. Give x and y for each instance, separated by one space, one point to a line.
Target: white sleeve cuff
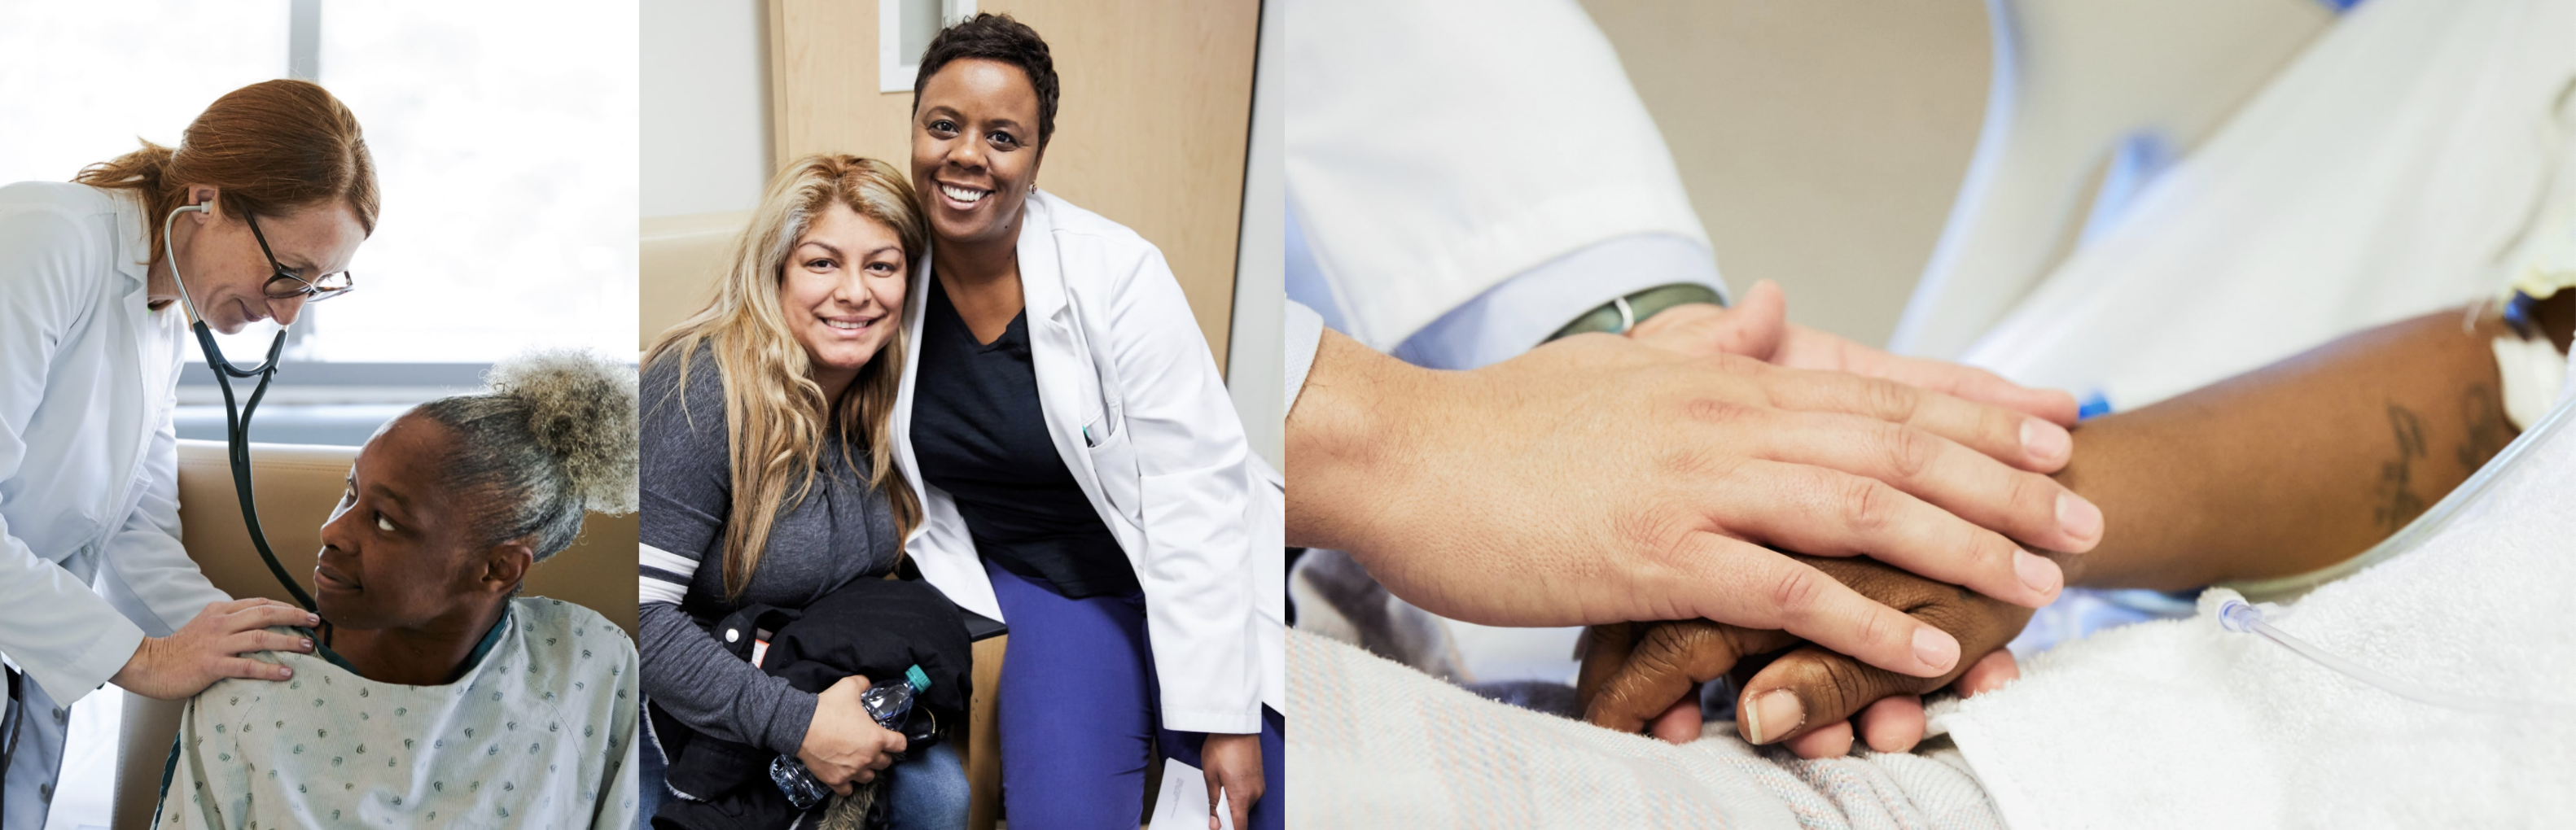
1519 314
105 656
1305 334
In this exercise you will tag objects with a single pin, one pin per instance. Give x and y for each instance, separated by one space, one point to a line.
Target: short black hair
995 37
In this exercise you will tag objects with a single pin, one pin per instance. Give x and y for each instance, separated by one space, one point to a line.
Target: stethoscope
236 420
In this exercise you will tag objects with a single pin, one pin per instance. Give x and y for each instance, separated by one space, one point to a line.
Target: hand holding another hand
1637 675
1596 480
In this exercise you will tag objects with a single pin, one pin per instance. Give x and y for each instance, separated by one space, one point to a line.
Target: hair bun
581 407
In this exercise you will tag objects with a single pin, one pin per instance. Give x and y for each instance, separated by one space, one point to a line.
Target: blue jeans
925 792
1077 706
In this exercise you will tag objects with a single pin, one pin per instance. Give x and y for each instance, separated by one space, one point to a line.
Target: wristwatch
1621 314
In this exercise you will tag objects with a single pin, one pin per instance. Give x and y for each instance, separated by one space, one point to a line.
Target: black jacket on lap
874 628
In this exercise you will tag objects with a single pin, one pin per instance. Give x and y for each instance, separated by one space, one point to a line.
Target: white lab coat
1437 148
89 462
1119 358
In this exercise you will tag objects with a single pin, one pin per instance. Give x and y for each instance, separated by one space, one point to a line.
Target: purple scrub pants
1077 707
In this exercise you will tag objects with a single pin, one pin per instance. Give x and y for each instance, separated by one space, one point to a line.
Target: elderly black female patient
437 695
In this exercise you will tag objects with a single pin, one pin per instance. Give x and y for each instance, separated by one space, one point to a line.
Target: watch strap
1623 313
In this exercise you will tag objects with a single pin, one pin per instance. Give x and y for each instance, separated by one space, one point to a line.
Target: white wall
706 105
1256 363
1822 141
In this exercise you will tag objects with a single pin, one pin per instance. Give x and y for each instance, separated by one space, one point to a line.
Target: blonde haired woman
767 473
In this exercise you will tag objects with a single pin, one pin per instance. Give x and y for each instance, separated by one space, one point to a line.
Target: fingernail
1775 713
1937 651
2046 443
284 672
308 641
2079 518
2036 571
312 619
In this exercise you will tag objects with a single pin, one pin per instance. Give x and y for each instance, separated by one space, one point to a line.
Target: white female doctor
1087 479
265 199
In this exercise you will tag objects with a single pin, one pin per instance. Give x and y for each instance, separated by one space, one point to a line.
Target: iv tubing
2238 615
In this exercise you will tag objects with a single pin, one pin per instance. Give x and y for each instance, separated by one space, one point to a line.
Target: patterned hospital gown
540 733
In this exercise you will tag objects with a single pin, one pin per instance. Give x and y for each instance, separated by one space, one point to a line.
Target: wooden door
1151 129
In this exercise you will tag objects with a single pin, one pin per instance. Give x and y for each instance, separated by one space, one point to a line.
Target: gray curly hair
552 439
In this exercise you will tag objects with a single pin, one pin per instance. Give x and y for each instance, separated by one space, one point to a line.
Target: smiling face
398 552
840 288
974 149
225 274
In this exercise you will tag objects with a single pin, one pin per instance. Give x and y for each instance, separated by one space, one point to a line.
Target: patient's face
839 291
396 552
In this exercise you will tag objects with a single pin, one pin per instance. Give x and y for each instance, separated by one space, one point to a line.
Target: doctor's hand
842 745
210 648
1232 765
1647 675
1596 480
1758 327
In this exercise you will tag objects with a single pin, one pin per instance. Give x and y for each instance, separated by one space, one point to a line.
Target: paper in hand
1183 803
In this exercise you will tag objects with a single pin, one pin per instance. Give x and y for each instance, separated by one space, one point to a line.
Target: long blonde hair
774 410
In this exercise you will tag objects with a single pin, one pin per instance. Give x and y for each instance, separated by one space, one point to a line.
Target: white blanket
1382 745
2181 723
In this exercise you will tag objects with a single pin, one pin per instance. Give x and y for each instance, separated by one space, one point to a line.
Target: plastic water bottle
802 788
887 705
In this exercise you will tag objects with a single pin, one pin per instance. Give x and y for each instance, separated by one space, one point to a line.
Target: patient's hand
1758 327
843 747
1635 674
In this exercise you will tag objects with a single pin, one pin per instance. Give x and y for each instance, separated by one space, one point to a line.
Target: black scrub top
980 435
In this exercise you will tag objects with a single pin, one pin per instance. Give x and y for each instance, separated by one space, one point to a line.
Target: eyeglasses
284 284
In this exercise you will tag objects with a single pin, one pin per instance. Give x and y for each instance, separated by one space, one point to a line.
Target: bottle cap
920 682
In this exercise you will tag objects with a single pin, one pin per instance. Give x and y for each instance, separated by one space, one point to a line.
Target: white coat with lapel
89 457
1138 413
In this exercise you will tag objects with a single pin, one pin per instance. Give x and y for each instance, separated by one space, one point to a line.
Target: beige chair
681 255
296 487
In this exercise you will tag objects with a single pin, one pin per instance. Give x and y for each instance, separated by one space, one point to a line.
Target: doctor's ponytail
272 148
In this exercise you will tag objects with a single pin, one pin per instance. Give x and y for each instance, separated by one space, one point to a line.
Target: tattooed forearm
2397 500
2482 410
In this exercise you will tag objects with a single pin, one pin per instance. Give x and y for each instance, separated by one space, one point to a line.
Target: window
504 136
904 30
67 107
